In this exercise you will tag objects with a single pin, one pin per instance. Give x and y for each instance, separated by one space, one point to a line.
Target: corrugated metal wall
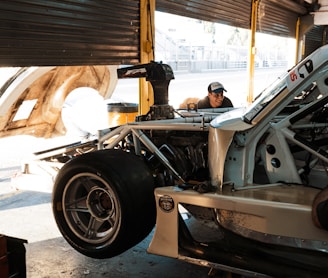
234 13
94 32
69 32
272 19
276 20
315 38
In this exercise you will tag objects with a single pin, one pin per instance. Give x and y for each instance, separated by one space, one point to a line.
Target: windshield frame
265 98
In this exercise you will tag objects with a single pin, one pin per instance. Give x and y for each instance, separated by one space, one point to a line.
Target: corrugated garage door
315 38
276 20
101 32
272 18
69 32
235 13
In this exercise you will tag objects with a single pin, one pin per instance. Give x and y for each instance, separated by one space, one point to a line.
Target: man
215 97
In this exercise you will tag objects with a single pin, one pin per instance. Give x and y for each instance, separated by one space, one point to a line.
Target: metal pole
252 50
298 24
147 42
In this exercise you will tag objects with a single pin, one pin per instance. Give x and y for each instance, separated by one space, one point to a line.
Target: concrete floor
25 213
28 215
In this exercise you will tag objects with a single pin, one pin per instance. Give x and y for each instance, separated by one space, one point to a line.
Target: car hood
31 99
231 120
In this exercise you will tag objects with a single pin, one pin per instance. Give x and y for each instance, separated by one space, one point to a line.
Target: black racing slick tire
103 202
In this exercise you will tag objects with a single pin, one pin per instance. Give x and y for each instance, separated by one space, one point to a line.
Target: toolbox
12 257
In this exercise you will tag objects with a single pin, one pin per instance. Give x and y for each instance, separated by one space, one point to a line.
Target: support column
252 51
147 49
298 44
304 25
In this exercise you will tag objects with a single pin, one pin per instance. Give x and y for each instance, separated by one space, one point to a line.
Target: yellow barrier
121 113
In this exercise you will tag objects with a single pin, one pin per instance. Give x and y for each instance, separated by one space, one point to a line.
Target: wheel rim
91 209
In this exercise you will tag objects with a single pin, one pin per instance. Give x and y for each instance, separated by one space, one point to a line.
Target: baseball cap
216 87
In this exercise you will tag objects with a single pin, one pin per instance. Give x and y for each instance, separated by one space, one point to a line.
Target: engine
186 151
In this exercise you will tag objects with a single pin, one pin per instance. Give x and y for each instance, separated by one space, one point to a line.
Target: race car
243 190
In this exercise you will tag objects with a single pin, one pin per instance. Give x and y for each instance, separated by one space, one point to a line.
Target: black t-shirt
205 103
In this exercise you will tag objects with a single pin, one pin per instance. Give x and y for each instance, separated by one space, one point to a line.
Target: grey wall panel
69 32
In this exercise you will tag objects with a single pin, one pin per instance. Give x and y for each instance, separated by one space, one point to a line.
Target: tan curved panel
47 95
